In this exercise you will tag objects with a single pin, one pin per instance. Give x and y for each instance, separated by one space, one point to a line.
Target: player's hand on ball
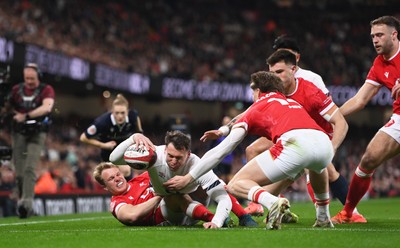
139 157
143 141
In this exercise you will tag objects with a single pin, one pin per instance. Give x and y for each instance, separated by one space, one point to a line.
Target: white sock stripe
252 191
322 197
191 207
360 173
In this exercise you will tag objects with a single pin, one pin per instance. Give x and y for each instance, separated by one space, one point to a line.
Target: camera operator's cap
286 42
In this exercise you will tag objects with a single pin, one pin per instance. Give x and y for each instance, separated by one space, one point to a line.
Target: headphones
35 67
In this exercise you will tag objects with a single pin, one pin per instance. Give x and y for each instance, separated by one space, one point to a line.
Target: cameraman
31 103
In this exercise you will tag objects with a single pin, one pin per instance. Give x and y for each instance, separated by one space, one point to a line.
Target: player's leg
381 148
276 189
337 184
339 188
258 146
316 155
257 209
319 182
177 207
246 184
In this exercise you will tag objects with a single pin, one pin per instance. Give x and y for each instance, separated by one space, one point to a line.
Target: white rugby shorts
392 127
296 150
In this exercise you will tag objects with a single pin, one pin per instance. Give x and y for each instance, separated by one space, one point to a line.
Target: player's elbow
83 137
113 157
131 221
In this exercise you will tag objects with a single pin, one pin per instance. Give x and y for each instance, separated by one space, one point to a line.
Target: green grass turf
102 230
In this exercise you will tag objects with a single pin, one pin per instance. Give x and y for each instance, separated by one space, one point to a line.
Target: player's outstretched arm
360 100
222 131
208 161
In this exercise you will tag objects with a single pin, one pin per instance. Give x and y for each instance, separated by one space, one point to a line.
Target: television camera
5 87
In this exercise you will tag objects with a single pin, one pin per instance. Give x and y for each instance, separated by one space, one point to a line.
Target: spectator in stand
7 183
47 182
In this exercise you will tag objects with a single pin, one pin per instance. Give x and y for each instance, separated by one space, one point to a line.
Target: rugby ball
139 158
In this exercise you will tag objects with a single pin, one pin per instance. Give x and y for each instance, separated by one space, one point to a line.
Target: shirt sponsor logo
386 74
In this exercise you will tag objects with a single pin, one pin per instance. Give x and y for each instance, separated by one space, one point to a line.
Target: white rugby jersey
313 78
160 173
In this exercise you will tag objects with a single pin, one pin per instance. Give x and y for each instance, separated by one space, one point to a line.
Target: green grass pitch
102 230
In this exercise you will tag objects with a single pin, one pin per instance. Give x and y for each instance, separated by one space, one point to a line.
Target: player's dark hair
180 140
266 82
390 21
282 55
286 42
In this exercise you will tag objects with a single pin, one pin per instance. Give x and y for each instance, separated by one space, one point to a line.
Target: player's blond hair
99 169
120 100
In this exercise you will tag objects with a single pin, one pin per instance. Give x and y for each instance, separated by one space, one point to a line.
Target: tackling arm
215 155
222 131
132 214
208 161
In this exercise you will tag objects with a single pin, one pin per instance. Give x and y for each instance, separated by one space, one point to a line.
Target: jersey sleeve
215 155
371 77
99 126
322 102
48 92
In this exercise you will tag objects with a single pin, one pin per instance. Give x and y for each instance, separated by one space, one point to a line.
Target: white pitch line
396 230
53 221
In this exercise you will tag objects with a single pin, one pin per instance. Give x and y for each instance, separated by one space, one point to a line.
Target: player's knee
333 174
230 187
369 161
250 153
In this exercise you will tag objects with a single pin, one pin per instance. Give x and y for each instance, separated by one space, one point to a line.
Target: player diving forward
175 158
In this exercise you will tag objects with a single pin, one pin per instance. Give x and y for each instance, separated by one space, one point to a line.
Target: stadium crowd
203 40
196 40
